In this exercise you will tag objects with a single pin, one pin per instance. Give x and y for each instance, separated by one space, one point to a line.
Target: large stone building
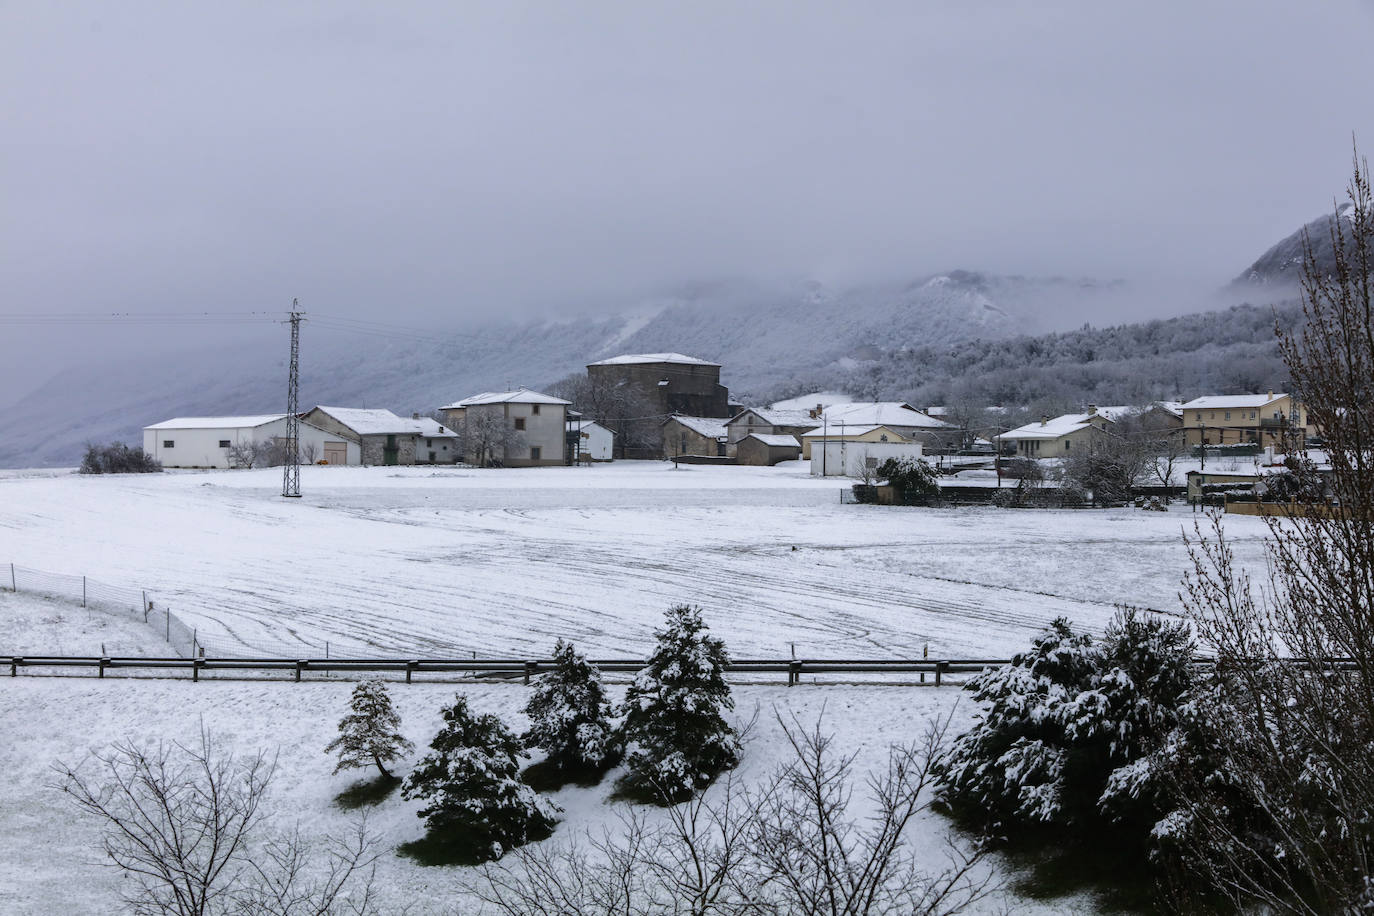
632 394
387 439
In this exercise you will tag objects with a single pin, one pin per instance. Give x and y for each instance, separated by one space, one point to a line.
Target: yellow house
850 434
1262 419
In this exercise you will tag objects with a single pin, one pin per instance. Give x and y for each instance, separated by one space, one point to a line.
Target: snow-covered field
492 562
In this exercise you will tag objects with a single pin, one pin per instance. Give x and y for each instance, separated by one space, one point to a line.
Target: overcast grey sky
430 161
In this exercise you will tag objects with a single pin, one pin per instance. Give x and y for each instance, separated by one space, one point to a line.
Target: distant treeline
1223 352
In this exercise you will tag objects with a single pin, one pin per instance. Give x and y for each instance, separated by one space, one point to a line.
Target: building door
389 451
336 453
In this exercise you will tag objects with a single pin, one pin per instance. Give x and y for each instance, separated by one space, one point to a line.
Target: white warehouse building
206 442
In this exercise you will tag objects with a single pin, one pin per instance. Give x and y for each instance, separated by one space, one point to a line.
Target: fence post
529 669
167 615
939 672
13 582
793 672
14 667
146 608
83 595
194 640
103 662
410 667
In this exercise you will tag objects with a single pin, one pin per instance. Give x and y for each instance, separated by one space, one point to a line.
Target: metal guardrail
794 669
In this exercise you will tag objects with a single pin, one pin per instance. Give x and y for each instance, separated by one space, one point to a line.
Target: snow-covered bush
1074 734
676 736
118 458
913 478
475 802
570 714
370 733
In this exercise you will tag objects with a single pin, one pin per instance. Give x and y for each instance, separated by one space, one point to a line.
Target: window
520 423
536 453
224 443
1068 444
870 462
168 443
429 443
1252 415
534 409
1228 414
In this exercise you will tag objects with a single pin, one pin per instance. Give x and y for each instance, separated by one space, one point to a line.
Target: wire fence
134 603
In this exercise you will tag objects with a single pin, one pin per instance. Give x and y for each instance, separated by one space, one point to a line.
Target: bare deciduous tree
790 847
1284 825
250 453
182 824
489 436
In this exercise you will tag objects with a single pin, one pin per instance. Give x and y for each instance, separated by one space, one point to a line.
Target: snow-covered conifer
675 732
370 733
569 713
470 783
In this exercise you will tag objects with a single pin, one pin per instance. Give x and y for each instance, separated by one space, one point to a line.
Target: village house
767 449
814 438
1058 437
588 440
387 439
858 455
513 429
896 416
701 436
1261 419
768 422
229 442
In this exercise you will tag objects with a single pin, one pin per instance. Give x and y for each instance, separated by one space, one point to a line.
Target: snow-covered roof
1173 407
710 427
251 422
578 425
1240 401
519 396
777 417
881 413
808 401
372 421
1056 427
778 439
630 359
851 432
433 429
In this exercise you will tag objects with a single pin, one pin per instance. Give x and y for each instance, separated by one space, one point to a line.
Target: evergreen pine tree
676 735
370 734
569 713
470 783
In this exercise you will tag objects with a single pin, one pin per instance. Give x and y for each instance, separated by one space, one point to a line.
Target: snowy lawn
49 856
34 625
447 560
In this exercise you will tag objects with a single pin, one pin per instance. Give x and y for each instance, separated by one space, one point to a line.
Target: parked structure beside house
703 436
1201 483
388 439
767 449
769 422
589 441
212 442
1263 419
852 458
520 428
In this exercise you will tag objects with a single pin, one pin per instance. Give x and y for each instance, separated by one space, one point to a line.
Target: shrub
475 803
677 738
913 478
118 458
570 714
1075 737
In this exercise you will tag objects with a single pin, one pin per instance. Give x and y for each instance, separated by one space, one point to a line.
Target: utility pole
291 465
1201 441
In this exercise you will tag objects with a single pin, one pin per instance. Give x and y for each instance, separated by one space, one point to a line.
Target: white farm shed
205 442
842 458
594 441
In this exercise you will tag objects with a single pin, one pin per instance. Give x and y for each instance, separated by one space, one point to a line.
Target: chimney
1271 395
1044 421
1092 409
415 415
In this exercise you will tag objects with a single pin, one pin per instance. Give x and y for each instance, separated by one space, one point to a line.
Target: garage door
336 452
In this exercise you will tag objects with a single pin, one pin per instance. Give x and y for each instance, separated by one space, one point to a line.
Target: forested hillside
1232 350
